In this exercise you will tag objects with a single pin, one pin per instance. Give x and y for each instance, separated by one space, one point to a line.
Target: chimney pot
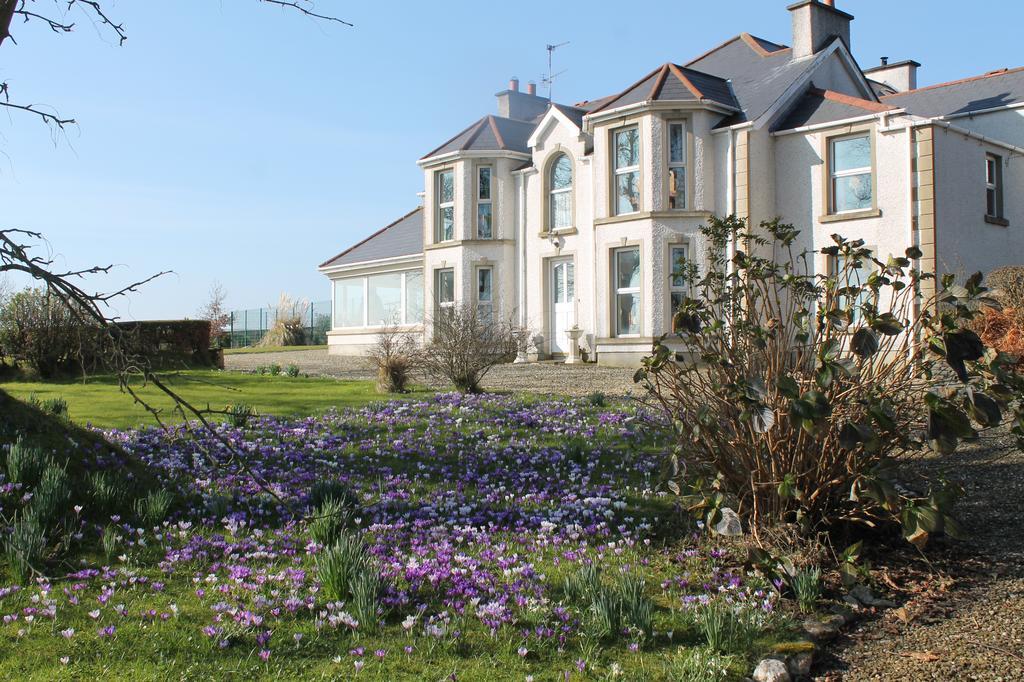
513 84
531 88
830 3
816 23
885 61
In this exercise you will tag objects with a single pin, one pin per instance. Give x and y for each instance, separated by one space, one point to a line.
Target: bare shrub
394 354
467 345
288 329
216 314
798 395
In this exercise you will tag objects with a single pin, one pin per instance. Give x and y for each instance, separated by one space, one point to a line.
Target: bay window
678 285
626 278
626 171
484 213
677 166
444 193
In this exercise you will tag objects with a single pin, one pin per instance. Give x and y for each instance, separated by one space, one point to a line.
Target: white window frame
484 306
677 165
623 291
364 280
552 227
617 172
484 201
439 304
439 235
674 288
834 175
994 185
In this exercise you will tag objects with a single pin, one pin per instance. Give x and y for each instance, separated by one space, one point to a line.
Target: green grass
99 401
256 350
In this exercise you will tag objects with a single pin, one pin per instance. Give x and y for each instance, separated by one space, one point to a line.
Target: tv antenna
549 79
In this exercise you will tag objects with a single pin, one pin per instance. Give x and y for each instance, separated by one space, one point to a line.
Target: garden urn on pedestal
574 345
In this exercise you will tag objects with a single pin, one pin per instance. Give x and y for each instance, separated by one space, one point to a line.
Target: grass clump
806 586
154 507
329 520
26 462
239 414
51 499
25 548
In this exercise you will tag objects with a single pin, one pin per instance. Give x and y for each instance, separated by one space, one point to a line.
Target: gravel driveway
536 377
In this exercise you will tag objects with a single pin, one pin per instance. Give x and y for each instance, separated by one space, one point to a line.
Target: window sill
624 340
564 232
852 215
1001 222
465 242
625 218
681 213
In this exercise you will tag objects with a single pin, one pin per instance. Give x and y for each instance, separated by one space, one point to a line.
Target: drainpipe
730 195
520 188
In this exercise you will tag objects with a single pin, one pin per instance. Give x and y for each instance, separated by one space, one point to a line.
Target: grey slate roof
825 106
995 89
574 114
404 237
671 82
490 133
758 75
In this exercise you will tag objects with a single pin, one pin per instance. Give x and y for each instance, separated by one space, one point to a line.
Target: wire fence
247 327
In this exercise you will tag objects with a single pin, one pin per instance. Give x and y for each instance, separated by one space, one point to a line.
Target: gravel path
962 615
542 377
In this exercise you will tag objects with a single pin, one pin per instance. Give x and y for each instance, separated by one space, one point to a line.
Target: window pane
558 275
627 148
384 299
413 297
348 302
561 210
852 153
627 193
446 187
445 286
852 193
991 203
677 301
483 221
677 188
627 314
447 226
484 185
484 292
561 173
990 170
627 269
676 143
679 266
570 282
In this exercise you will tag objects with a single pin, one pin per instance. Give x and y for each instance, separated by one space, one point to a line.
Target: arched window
560 193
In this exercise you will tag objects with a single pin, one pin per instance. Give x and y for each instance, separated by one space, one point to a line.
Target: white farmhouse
575 216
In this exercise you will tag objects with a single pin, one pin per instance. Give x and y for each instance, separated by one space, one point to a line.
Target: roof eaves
623 93
372 236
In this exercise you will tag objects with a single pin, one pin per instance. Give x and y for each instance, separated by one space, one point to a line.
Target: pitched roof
574 114
404 237
826 106
991 90
490 133
758 72
670 82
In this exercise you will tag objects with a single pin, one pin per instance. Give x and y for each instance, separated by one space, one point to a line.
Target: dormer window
484 213
444 193
626 170
560 194
677 165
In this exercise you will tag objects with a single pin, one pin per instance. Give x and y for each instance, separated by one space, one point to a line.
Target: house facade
571 219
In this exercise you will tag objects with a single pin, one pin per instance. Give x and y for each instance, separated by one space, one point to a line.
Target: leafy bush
292 371
44 332
25 547
154 507
394 354
239 414
274 369
26 462
466 345
797 393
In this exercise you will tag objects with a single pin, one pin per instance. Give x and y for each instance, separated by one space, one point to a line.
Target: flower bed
481 517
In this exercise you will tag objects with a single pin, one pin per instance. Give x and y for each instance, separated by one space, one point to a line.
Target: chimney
521 106
900 76
815 24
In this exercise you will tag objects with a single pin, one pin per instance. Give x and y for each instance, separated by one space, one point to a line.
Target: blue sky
242 143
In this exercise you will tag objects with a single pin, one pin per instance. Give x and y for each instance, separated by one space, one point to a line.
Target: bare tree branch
55 26
48 118
104 19
306 8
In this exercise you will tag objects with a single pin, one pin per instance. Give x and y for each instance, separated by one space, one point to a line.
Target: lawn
99 401
449 537
256 350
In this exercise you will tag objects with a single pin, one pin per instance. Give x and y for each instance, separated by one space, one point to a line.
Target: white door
563 305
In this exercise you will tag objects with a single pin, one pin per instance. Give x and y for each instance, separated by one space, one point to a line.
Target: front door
563 304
